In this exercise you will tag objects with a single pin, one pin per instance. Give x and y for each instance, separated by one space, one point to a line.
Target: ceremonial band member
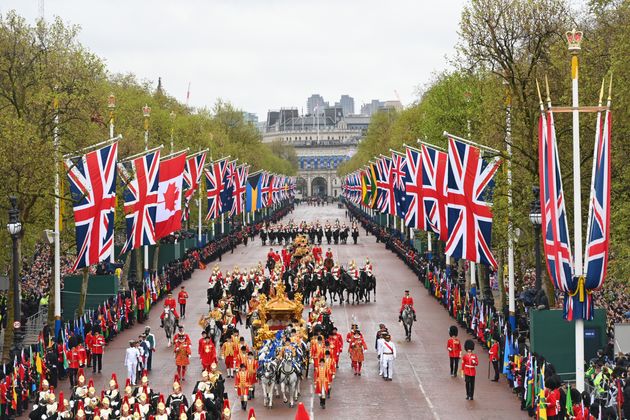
454 348
407 300
469 367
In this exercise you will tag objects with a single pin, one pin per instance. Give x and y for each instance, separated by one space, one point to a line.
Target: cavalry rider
353 270
368 267
317 253
329 254
407 300
169 302
335 272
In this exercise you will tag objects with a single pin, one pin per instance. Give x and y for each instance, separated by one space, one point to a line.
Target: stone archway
319 187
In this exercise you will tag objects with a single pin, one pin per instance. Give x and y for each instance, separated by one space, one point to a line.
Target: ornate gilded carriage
276 313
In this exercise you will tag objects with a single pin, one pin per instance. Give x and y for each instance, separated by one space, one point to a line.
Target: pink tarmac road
422 387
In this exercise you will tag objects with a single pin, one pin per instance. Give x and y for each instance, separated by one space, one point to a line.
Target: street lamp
146 113
111 105
15 227
535 217
172 117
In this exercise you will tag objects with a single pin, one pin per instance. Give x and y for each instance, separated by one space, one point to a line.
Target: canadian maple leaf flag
169 203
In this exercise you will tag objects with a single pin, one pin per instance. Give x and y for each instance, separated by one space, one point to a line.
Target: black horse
355 235
214 294
368 284
343 235
351 287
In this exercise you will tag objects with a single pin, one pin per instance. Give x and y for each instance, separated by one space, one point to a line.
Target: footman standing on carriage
407 300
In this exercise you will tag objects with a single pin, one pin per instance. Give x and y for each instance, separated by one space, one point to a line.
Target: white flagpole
508 146
57 252
574 48
111 105
199 205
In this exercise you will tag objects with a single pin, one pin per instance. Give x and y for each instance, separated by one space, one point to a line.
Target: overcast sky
266 54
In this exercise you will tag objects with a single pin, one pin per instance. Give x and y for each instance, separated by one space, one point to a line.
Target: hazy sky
266 54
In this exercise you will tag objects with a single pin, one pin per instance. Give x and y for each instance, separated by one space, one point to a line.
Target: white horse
288 379
268 382
169 325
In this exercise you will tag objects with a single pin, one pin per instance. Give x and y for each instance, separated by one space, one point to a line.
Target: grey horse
288 379
407 321
169 325
268 382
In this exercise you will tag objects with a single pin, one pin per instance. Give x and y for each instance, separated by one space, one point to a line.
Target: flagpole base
512 320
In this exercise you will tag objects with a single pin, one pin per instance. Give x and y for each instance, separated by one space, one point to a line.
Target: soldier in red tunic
493 354
182 296
470 361
407 300
98 347
454 348
170 303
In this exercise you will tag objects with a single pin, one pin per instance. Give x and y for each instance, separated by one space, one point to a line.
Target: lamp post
536 218
111 105
15 227
172 117
146 113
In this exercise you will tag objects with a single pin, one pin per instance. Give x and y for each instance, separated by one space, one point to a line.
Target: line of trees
504 47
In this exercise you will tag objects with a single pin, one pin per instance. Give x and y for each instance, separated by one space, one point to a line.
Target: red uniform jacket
494 352
470 363
89 340
170 302
140 302
406 300
76 357
98 345
182 296
454 347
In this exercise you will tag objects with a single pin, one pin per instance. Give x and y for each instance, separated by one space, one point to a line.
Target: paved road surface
422 387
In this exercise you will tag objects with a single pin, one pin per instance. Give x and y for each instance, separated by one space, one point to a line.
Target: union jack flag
434 196
413 188
214 187
192 178
239 187
353 188
469 215
386 200
142 178
400 176
555 227
598 233
277 189
93 188
265 188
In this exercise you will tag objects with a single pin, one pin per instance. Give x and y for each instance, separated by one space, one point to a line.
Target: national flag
469 215
368 186
569 403
277 183
253 200
168 216
141 195
434 191
227 194
386 201
192 179
555 228
92 180
267 189
598 233
214 187
413 188
239 188
400 176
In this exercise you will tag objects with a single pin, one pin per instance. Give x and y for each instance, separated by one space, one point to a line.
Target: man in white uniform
388 354
132 355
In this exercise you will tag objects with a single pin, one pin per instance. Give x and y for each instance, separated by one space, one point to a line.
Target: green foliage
41 63
505 46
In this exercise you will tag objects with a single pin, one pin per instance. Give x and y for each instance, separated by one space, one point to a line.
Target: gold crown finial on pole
574 39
